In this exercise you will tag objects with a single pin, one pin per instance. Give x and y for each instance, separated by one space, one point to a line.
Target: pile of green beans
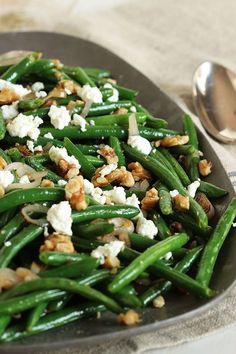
66 286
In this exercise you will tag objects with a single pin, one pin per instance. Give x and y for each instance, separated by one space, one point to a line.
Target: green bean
35 315
2 126
140 194
125 93
59 304
95 161
53 320
144 260
192 166
4 322
161 288
190 130
30 104
98 73
4 68
72 270
163 229
92 231
23 196
214 244
60 258
15 305
96 132
182 150
119 119
105 212
34 163
177 167
151 121
14 154
41 65
98 109
189 223
127 297
115 144
156 154
106 93
24 237
165 202
11 228
87 168
40 112
79 74
6 216
140 243
88 149
211 190
15 72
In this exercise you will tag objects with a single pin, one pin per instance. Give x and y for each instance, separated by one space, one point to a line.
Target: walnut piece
58 243
7 96
169 141
150 200
2 191
204 167
111 263
47 183
63 88
181 202
159 302
128 318
119 175
75 194
108 153
67 170
25 274
121 110
139 172
3 163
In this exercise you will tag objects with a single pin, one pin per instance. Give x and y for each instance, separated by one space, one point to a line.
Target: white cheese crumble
108 169
23 126
110 250
79 121
133 200
192 188
6 178
41 94
59 117
140 143
19 90
92 122
7 243
116 195
49 136
167 256
133 109
59 216
61 182
37 86
24 179
115 93
96 193
30 146
67 91
10 111
174 193
56 154
146 227
234 224
91 94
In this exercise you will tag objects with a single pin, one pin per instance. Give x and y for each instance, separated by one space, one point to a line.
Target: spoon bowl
214 97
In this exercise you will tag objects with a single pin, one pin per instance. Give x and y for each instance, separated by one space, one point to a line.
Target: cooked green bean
4 322
211 190
35 315
60 258
163 229
115 144
91 231
165 202
11 228
2 126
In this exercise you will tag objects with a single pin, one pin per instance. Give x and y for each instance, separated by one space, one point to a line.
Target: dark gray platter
76 51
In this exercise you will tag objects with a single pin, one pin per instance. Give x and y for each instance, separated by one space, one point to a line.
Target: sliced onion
34 208
20 167
36 175
33 184
133 126
86 108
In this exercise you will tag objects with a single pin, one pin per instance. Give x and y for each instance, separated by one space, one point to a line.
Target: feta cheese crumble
140 143
59 117
192 188
174 193
59 216
115 93
7 243
146 227
108 169
133 200
133 109
37 86
116 196
41 94
23 126
19 90
92 94
167 256
30 146
56 154
96 193
110 250
6 178
10 111
48 136
79 121
61 182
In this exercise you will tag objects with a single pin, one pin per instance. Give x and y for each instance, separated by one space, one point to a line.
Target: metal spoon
214 97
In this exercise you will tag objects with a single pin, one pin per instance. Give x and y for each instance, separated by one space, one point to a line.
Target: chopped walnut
121 225
128 318
111 263
108 153
75 194
8 278
139 172
72 104
120 175
36 268
159 302
3 163
121 110
157 143
24 150
205 167
107 238
124 236
58 64
67 170
205 203
58 243
72 172
169 141
7 96
47 183
150 200
181 202
25 274
2 191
